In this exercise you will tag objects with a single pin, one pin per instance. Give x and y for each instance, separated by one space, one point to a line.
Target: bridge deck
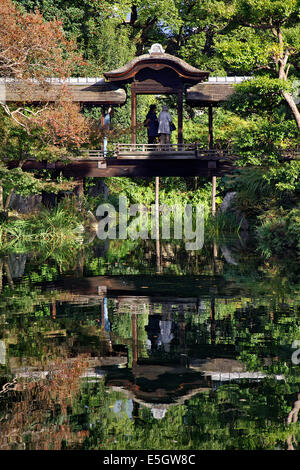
148 160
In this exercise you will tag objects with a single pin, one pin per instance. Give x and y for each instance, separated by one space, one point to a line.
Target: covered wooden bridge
153 73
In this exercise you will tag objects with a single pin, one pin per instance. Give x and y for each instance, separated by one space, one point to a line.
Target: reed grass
49 229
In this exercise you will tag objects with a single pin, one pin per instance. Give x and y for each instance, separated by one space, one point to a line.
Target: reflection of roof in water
160 408
159 387
163 385
157 383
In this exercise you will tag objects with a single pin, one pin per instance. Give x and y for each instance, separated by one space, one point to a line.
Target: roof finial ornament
156 49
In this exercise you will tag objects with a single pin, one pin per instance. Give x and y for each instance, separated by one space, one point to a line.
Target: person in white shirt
164 131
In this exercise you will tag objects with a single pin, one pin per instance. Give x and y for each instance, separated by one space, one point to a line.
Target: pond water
113 347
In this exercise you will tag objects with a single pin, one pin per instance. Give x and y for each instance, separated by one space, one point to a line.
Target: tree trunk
293 107
283 75
1 275
8 273
208 48
7 202
1 196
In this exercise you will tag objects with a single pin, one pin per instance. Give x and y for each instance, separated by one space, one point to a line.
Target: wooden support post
80 264
133 116
158 264
53 308
211 146
213 196
215 256
182 338
134 339
102 315
103 132
102 117
180 117
212 321
1 197
210 128
135 411
1 275
157 207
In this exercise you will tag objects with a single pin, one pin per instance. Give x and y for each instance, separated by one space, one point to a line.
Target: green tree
265 38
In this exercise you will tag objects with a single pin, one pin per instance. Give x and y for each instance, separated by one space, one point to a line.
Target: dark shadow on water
195 356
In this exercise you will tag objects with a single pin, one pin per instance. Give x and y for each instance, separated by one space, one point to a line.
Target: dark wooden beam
210 128
180 116
133 116
134 338
130 167
211 146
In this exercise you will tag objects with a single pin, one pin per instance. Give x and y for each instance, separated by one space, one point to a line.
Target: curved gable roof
157 61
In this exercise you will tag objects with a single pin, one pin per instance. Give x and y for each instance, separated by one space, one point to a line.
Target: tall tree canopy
33 50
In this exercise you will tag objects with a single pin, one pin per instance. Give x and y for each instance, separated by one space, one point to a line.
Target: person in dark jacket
151 123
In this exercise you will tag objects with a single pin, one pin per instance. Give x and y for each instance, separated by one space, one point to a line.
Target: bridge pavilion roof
159 62
92 91
213 92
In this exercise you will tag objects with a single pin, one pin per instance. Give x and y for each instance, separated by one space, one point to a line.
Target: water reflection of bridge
149 294
152 295
159 386
155 363
174 369
138 287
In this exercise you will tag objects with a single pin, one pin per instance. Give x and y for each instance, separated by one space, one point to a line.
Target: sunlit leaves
259 11
244 50
258 95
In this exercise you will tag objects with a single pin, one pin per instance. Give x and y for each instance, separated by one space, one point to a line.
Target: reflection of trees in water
38 419
235 416
293 415
293 418
215 416
259 323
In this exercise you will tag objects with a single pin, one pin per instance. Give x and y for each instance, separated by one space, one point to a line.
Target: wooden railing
193 150
91 154
214 154
289 154
145 148
189 151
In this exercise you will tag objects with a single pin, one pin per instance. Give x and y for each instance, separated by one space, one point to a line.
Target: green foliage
258 95
55 233
260 12
243 50
256 312
173 190
257 301
279 232
285 178
224 37
23 183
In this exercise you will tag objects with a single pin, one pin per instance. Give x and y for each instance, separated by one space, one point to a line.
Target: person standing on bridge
164 129
151 123
106 128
